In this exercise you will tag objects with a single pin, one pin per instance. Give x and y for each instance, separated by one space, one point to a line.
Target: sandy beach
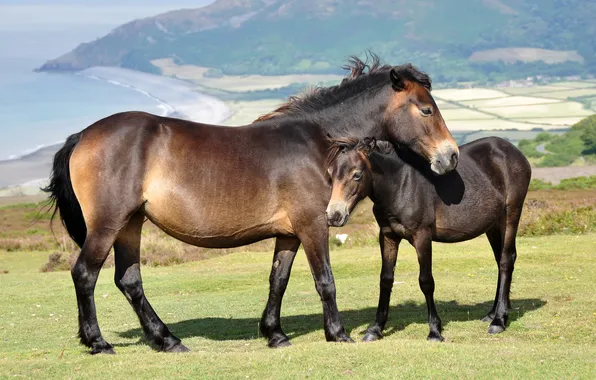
24 175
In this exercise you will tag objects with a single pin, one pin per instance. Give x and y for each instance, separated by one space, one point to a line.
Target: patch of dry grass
546 212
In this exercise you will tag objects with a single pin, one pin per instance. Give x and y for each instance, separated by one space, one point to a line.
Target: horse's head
351 176
413 119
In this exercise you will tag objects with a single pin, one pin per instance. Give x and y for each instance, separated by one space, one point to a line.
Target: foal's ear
397 82
369 145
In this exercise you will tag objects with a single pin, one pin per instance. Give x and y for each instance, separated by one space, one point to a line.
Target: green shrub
577 183
543 137
557 159
576 221
538 184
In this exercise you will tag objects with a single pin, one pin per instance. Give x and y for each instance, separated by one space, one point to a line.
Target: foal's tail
62 196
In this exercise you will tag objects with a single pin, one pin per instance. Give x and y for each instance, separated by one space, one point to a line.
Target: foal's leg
128 279
84 275
495 238
285 251
506 264
423 244
315 239
389 246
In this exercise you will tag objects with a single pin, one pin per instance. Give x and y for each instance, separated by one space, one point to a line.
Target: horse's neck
356 117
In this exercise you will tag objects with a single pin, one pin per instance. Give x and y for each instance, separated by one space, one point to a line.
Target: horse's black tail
62 196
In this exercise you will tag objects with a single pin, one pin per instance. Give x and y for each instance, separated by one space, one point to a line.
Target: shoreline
24 173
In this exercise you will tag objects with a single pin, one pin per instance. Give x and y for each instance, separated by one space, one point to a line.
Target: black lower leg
270 326
128 279
423 245
389 246
316 246
84 274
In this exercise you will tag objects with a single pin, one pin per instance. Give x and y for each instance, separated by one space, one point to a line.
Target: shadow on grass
400 317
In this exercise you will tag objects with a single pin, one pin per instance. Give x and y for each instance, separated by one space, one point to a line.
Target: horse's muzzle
445 158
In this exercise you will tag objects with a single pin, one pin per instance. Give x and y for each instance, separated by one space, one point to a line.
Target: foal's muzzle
337 214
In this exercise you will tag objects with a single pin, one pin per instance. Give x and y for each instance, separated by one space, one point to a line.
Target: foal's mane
363 77
338 145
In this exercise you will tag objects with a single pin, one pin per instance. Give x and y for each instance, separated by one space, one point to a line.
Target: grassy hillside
455 40
215 305
579 143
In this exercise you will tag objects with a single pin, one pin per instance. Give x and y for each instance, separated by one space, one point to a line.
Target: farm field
214 305
515 110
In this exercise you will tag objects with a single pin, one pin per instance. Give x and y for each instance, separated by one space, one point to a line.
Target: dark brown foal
485 194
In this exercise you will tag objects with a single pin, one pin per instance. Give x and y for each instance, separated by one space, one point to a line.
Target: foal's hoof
177 348
103 349
496 329
489 317
279 341
373 334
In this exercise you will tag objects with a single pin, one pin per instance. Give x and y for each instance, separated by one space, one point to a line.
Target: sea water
41 109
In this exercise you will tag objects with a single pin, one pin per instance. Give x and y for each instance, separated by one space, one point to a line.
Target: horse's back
207 185
492 173
501 159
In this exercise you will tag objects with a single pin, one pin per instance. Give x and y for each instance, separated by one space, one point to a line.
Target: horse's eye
426 111
357 176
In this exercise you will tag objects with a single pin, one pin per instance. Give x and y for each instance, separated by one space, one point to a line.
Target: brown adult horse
484 195
214 186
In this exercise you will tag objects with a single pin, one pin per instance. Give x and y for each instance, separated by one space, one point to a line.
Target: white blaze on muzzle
445 158
337 213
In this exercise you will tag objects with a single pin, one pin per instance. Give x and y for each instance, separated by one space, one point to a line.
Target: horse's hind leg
495 238
285 252
128 279
506 264
84 274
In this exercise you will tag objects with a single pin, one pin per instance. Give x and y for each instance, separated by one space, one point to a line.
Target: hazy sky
43 29
38 14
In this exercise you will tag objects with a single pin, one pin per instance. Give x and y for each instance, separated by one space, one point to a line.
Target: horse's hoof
279 342
434 337
373 334
104 349
489 318
371 337
178 348
495 329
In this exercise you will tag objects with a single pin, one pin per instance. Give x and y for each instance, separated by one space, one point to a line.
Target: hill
456 40
579 143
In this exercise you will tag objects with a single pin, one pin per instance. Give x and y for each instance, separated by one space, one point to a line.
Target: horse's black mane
364 77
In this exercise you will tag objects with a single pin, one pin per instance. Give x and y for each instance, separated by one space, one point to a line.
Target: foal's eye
357 176
426 111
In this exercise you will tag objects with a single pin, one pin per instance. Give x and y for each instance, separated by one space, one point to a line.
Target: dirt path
555 175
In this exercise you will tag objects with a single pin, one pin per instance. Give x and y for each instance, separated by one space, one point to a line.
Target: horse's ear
397 82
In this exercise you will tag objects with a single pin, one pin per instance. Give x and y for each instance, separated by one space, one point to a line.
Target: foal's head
351 176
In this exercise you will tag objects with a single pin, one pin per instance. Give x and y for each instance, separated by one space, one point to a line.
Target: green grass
214 305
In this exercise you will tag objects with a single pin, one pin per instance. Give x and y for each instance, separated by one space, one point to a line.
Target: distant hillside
578 145
455 40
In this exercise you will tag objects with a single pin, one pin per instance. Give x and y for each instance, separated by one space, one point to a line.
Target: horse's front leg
285 251
315 239
389 244
422 241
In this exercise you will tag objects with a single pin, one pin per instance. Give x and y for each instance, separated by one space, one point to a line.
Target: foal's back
491 179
